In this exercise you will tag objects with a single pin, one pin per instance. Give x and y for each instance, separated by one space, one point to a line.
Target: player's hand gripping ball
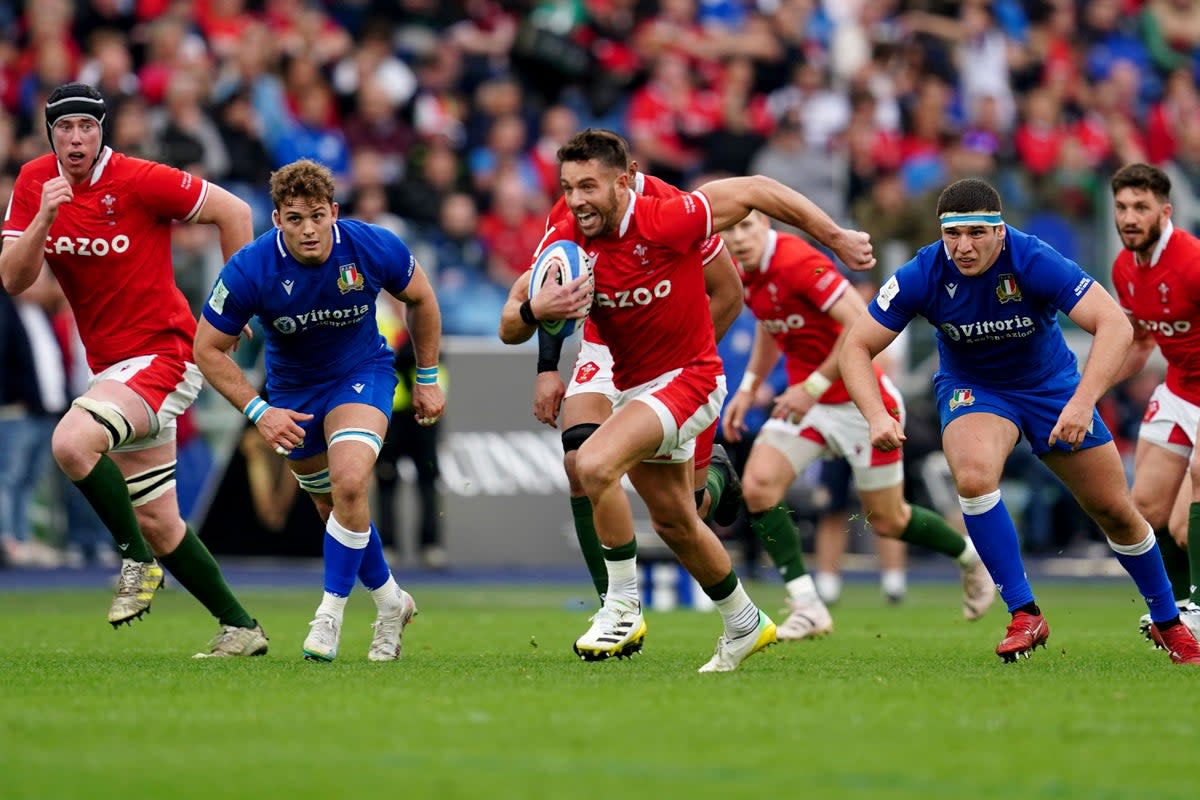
573 262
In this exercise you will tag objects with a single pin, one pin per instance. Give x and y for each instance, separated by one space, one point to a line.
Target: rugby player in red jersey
650 307
102 222
802 304
589 398
1156 278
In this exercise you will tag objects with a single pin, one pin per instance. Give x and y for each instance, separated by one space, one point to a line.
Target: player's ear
333 211
275 218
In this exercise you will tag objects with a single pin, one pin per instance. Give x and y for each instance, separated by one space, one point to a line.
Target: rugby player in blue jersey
993 294
313 283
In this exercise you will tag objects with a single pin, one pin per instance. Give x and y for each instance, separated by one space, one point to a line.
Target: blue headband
951 219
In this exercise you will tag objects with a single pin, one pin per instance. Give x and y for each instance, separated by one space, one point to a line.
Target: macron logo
358 387
951 288
287 287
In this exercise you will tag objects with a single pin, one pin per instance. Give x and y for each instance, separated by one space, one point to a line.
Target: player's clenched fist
55 192
855 250
886 433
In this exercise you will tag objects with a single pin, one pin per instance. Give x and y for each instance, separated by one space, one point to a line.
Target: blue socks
374 570
344 550
1143 561
991 529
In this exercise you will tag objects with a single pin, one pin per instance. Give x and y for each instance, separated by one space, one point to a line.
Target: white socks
739 613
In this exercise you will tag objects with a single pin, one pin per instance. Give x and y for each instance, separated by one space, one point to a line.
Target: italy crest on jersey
1007 288
962 397
349 278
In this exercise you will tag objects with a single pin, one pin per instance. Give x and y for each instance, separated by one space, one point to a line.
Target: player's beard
1143 247
606 216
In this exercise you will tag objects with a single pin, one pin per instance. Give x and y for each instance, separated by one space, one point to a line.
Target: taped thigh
368 437
151 484
112 420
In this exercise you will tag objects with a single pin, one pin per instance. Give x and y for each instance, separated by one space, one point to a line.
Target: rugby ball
572 262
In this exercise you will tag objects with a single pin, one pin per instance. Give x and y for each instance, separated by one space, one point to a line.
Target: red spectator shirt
643 184
1164 297
650 306
110 249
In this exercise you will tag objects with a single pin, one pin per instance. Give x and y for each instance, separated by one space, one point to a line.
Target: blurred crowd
441 118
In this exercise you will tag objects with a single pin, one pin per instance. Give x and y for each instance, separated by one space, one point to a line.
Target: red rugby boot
1025 632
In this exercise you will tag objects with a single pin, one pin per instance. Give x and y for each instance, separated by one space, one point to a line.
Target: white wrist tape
816 384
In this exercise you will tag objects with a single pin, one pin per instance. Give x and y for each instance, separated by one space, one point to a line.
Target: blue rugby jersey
319 321
999 328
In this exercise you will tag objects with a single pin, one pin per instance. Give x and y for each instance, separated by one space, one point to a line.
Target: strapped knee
574 436
118 429
315 482
151 484
368 437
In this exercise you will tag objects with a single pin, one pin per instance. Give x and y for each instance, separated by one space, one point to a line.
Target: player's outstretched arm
731 199
211 351
231 215
425 326
725 294
865 340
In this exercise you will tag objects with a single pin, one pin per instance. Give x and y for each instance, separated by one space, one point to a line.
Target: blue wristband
427 376
255 409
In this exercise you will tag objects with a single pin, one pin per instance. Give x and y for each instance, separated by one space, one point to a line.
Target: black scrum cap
74 100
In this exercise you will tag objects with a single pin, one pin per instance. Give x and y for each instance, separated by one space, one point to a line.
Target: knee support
151 484
574 436
368 437
118 429
315 482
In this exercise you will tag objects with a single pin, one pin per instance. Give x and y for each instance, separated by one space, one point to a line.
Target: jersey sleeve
391 257
679 223
818 281
171 193
1052 276
22 206
710 248
899 298
234 298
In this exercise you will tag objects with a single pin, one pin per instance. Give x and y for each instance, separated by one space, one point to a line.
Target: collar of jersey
283 251
98 170
768 251
633 197
1161 246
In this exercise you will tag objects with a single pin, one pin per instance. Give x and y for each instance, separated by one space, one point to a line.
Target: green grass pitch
489 702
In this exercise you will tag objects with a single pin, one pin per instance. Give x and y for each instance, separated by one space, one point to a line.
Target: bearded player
589 398
1156 281
666 368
